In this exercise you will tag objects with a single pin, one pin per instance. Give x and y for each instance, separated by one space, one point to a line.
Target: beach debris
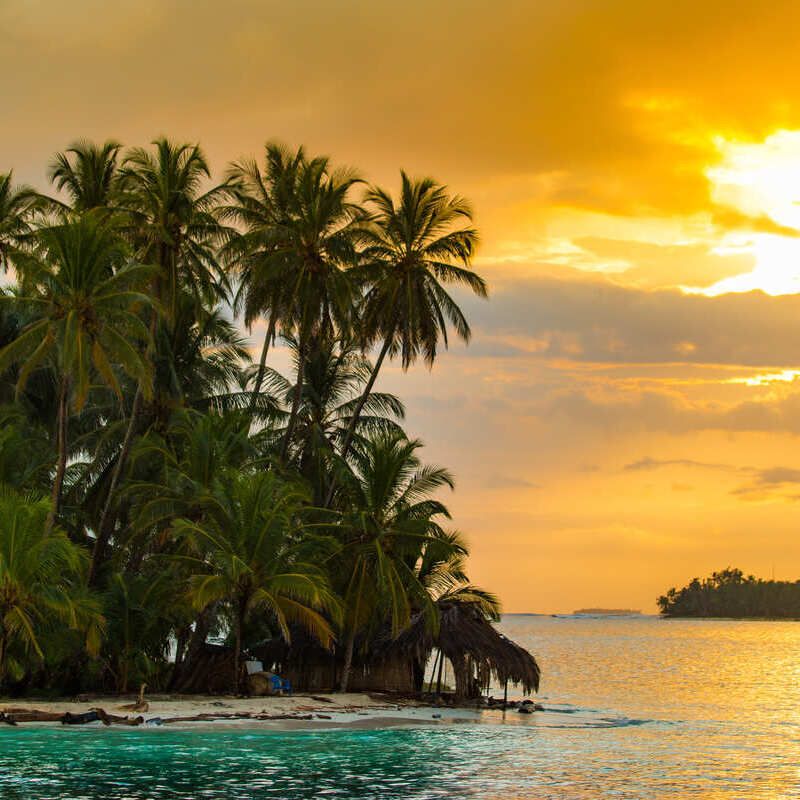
320 699
6 720
436 716
324 716
79 719
140 706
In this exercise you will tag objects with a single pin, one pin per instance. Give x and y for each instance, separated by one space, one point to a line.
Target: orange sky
627 415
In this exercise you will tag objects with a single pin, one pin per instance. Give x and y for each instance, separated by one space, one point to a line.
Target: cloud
651 411
654 265
648 463
500 481
591 319
729 219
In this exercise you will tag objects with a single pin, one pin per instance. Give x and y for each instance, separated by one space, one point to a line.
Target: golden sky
627 415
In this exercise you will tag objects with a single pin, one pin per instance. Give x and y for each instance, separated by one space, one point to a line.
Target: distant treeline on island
608 612
730 594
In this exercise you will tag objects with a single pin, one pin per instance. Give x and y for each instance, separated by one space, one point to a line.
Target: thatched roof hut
472 644
309 667
474 647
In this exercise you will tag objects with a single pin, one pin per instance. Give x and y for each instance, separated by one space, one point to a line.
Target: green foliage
729 593
215 496
40 585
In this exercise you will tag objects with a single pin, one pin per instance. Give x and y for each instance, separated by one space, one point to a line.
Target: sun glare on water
762 180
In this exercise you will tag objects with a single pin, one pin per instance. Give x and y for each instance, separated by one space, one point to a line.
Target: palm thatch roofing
472 644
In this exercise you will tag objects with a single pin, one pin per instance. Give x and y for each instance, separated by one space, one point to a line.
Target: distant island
608 612
729 593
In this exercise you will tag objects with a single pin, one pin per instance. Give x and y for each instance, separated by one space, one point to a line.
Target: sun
761 180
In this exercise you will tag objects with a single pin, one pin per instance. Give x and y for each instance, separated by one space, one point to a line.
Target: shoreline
297 712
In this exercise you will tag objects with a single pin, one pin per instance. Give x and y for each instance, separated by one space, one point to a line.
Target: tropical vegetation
728 593
161 487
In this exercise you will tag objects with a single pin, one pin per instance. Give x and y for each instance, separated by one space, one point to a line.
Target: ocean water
638 708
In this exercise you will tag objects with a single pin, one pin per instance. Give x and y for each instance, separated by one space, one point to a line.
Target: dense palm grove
728 593
159 488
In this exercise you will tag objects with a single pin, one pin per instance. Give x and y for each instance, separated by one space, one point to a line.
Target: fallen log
113 719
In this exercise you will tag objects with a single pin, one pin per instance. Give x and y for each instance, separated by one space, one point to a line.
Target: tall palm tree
86 172
175 226
319 242
412 248
253 555
18 205
263 205
40 571
391 519
88 292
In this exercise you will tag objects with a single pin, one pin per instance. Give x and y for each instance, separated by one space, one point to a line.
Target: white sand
335 710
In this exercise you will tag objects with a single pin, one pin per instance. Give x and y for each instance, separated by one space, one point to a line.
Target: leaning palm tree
86 173
392 518
88 294
412 248
263 205
18 205
40 583
252 554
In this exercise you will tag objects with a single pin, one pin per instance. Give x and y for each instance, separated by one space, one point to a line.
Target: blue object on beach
280 684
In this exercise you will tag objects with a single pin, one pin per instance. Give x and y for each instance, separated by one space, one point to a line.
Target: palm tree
318 240
188 466
40 571
175 226
335 371
17 207
86 172
410 250
253 554
88 293
391 519
263 205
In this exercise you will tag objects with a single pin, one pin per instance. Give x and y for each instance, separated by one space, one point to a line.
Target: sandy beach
300 711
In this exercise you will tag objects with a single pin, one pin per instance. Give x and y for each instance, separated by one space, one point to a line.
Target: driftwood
14 716
244 715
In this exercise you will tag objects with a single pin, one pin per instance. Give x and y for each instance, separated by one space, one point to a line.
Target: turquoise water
640 708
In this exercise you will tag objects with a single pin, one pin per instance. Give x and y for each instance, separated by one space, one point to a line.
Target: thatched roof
466 636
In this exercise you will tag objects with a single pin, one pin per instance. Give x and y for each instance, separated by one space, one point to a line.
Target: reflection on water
641 708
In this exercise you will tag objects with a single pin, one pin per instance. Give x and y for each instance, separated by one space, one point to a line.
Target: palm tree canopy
88 293
86 173
174 220
252 550
40 578
18 205
410 249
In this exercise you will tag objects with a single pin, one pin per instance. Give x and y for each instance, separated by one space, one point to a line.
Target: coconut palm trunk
237 658
351 428
104 528
262 364
348 661
298 392
61 463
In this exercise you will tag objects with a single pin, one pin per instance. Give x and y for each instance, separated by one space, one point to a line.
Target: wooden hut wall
393 675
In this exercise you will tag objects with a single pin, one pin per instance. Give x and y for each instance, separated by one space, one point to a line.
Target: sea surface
639 707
